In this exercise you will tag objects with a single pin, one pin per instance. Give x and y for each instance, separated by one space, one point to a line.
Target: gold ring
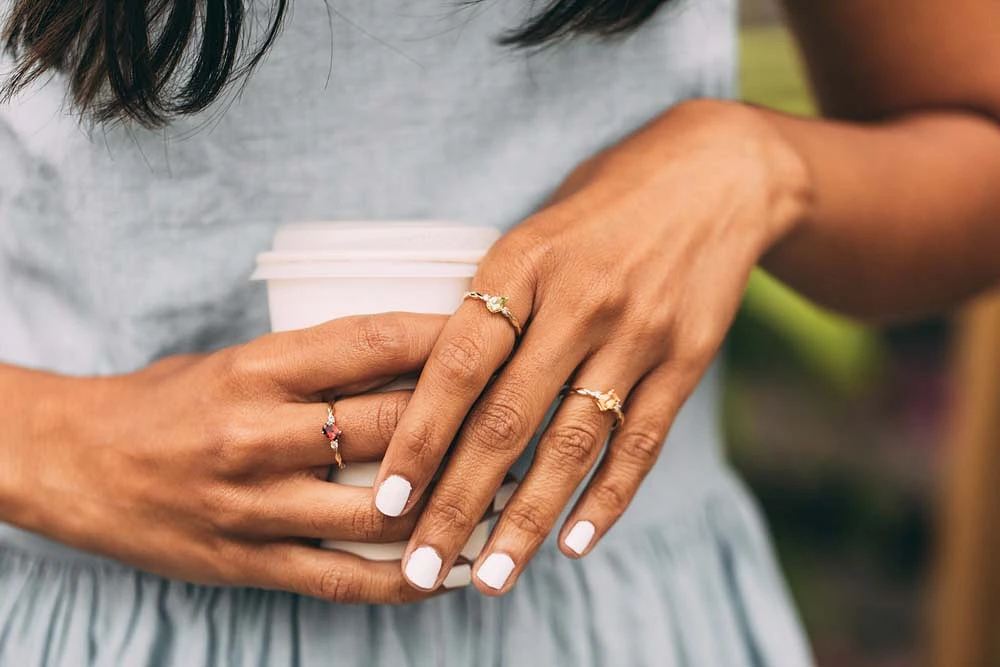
606 402
498 306
333 433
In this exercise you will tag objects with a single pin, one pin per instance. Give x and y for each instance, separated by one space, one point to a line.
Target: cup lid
425 240
307 247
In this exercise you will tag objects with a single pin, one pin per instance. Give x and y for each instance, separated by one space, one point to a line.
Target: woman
153 436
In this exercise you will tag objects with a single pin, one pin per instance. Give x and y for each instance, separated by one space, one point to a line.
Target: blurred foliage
770 71
840 352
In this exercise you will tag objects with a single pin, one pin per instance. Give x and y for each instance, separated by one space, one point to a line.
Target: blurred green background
837 428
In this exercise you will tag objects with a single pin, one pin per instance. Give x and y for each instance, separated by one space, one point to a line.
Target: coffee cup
321 271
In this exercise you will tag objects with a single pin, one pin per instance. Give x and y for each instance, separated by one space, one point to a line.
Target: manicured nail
495 570
423 567
460 575
503 496
579 537
392 495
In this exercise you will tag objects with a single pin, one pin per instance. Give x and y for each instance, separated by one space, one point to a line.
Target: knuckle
699 347
524 250
380 336
450 513
460 359
367 524
527 519
247 364
340 585
232 448
599 303
498 424
417 444
612 497
640 446
229 562
575 443
229 511
389 413
611 302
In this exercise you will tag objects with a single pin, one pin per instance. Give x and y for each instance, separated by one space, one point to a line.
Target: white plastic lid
330 249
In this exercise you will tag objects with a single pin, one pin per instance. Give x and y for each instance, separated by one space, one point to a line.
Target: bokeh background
840 431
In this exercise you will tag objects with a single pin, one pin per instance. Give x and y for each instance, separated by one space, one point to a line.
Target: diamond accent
496 304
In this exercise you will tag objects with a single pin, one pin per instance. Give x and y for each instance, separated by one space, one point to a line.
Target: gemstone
332 432
608 401
496 303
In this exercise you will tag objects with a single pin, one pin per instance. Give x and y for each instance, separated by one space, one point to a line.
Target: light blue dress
118 247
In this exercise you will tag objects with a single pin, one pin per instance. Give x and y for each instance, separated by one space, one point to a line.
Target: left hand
629 281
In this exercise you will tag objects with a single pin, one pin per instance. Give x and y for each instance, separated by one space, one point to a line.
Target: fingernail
460 575
392 495
423 567
579 537
503 496
495 570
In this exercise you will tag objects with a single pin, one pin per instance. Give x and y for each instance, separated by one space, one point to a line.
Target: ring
606 402
497 305
333 433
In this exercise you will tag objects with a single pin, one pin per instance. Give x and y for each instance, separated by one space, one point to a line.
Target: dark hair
152 60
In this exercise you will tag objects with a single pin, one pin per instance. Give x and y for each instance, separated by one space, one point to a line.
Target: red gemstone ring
333 433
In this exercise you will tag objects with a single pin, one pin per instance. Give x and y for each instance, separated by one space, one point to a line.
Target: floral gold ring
333 433
498 306
607 401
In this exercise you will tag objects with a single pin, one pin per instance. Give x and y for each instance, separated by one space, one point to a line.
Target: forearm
30 402
902 217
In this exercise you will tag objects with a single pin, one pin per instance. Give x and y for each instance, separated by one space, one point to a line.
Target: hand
628 281
212 468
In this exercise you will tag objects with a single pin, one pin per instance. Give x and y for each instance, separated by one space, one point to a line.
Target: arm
630 278
903 211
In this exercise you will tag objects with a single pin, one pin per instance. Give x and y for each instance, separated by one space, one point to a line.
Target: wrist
35 417
769 162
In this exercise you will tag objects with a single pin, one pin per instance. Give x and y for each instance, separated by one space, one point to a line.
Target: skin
245 447
886 209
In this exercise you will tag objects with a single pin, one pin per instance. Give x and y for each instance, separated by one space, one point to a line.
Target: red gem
332 432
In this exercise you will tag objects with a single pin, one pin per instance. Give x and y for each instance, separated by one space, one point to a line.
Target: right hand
212 468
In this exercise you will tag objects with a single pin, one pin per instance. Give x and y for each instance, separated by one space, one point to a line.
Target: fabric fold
695 588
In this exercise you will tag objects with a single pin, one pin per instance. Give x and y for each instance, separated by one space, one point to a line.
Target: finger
343 352
566 453
293 438
473 345
494 435
328 575
306 507
630 455
394 551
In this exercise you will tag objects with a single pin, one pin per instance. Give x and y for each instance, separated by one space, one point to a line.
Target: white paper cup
320 271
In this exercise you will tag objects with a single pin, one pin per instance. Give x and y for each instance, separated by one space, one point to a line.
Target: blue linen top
119 246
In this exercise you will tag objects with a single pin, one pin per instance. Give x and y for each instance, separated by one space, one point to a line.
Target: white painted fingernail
503 496
579 537
423 567
495 570
392 495
477 541
460 575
